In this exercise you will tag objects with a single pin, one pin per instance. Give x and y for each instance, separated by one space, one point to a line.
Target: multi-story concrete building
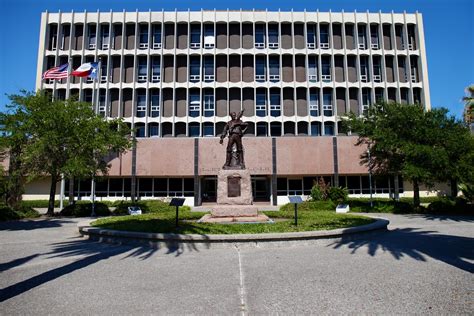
176 76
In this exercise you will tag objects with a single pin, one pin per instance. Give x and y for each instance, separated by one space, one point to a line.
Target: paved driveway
422 265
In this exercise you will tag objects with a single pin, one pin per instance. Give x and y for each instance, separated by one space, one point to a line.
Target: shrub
467 191
9 214
316 194
147 206
447 206
338 194
40 203
84 209
310 206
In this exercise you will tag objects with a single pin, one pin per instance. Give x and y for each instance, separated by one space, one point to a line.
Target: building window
92 37
275 105
313 68
208 130
374 37
364 76
275 129
379 95
141 103
273 36
142 69
105 36
194 71
326 69
155 69
274 68
260 66
361 36
327 103
156 36
261 103
194 103
311 36
377 69
153 129
209 104
261 129
208 68
193 129
324 36
314 104
315 129
140 130
259 36
365 99
155 103
102 102
329 129
209 39
295 186
195 36
143 36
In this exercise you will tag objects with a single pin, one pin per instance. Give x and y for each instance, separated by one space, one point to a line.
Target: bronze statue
234 129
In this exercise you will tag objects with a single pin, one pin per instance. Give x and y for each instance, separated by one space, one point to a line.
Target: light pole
370 178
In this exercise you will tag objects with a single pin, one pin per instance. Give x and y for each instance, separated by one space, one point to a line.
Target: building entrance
209 189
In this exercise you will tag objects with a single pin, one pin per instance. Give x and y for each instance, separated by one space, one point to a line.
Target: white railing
194 77
273 45
374 46
105 46
89 80
260 77
413 78
103 78
208 77
156 45
326 78
361 46
92 46
311 45
195 45
142 78
208 46
363 78
313 77
143 45
324 45
377 78
155 78
274 77
53 43
410 46
259 45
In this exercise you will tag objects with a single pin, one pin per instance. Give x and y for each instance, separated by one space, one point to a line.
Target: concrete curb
117 236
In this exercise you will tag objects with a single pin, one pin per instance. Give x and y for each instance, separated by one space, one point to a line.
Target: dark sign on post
296 199
177 202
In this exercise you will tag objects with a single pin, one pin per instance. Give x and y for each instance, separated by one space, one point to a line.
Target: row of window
233 35
172 187
259 129
248 68
261 102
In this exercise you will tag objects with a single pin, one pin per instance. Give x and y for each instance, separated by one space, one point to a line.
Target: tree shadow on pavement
33 224
457 251
89 253
443 218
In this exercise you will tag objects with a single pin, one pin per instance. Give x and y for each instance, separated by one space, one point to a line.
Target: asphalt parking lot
423 264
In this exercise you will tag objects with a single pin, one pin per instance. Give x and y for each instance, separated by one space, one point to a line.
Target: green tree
469 105
66 138
402 140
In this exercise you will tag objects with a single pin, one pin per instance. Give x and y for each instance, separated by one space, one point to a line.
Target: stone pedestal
234 187
234 199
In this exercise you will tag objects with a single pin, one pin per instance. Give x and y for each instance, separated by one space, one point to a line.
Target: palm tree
469 107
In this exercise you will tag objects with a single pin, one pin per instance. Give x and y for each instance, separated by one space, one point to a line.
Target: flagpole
96 110
63 182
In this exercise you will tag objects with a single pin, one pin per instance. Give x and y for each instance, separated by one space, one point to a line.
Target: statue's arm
240 114
224 132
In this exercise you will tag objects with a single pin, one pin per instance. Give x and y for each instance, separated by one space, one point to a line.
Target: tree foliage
63 138
422 146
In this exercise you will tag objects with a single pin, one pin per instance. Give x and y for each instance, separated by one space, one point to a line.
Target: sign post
177 202
296 199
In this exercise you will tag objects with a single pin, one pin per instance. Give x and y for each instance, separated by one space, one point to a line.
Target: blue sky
448 25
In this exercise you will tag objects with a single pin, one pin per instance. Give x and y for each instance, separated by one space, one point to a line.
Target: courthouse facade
176 76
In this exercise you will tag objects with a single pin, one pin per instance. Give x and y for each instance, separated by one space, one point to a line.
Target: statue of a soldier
234 129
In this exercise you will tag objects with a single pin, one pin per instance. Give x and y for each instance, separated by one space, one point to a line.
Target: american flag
60 72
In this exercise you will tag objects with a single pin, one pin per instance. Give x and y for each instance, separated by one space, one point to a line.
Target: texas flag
86 70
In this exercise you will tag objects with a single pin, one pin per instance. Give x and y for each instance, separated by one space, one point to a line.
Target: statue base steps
208 218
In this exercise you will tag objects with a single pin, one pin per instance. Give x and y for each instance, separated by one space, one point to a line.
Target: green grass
164 222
